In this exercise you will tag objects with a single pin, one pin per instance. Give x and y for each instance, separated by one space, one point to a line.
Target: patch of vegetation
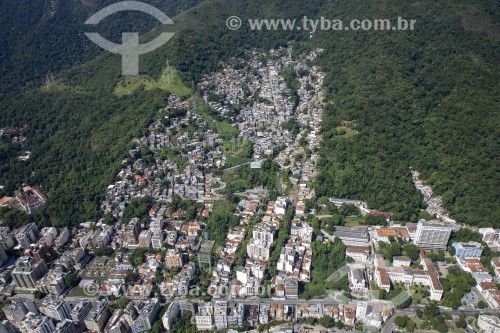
169 81
327 259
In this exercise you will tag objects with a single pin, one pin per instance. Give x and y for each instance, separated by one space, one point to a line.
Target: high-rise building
433 235
27 272
59 310
169 316
97 317
146 317
81 310
3 256
27 235
33 323
7 327
145 239
6 238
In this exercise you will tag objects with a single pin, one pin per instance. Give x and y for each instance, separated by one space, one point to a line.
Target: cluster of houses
176 151
434 202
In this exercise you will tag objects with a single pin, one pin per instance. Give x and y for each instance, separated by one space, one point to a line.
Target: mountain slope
425 99
45 36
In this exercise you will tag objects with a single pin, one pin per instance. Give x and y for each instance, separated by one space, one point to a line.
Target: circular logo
233 22
91 289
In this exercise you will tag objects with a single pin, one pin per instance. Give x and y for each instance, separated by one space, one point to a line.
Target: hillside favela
249 166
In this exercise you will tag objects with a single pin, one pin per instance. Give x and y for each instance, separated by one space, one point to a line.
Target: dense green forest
426 99
45 36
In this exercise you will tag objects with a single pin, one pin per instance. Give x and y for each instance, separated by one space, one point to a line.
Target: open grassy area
60 87
169 81
349 133
353 221
224 128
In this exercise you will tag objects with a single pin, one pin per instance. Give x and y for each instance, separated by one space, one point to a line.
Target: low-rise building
401 261
468 250
359 254
352 236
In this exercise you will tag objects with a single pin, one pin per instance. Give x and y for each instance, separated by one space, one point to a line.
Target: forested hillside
426 99
44 36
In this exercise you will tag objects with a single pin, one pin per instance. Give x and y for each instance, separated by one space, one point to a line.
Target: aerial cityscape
234 192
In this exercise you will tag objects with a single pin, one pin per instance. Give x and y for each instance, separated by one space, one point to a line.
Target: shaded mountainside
46 36
426 99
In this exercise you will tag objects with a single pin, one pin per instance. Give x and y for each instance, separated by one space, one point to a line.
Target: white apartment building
59 310
204 317
259 249
169 316
433 234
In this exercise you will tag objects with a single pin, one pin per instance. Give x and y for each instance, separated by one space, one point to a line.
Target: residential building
491 237
280 205
291 288
68 326
157 239
169 316
6 239
488 324
433 235
27 235
132 231
97 317
80 311
476 268
468 250
220 314
7 327
27 272
147 316
63 237
264 232
145 239
259 249
495 262
16 311
358 279
204 317
3 256
58 310
52 282
173 259
34 323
